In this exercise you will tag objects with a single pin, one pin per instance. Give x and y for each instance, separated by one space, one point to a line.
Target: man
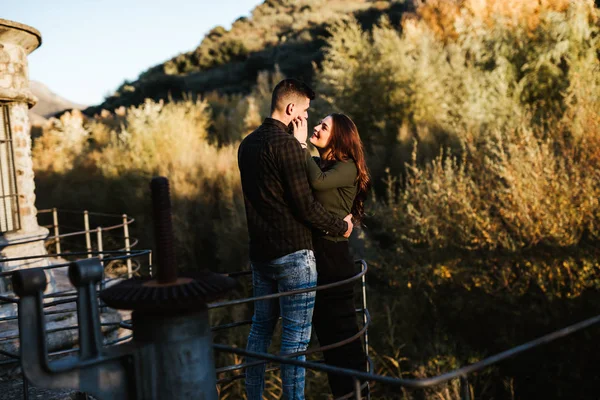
281 210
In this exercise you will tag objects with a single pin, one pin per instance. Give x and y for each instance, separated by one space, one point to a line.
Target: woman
340 181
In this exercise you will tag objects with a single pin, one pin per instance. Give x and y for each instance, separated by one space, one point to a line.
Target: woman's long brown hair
345 144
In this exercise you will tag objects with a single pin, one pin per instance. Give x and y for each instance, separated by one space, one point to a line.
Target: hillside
290 34
49 103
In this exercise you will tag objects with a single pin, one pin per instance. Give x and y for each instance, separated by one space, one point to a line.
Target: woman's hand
300 130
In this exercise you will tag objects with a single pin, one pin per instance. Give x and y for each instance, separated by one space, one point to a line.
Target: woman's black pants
334 317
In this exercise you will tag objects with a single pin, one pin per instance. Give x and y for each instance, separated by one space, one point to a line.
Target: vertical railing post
25 388
357 394
56 232
88 238
127 244
364 306
465 391
100 241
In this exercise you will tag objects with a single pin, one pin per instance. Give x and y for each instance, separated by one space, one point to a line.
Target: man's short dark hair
290 87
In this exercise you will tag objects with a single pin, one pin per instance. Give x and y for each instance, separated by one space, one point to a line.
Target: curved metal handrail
291 292
94 235
109 256
425 382
331 346
128 221
123 255
460 373
236 367
62 328
357 336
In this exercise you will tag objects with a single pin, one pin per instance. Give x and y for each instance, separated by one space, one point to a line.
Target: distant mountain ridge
287 33
49 103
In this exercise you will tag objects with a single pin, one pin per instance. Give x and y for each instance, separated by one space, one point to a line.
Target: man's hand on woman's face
348 219
300 129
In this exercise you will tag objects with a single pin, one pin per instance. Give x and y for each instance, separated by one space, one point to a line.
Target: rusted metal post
170 317
56 231
127 244
163 231
171 354
88 238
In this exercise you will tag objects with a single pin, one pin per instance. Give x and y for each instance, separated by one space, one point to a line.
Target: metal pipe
100 242
163 228
25 387
174 359
88 239
4 140
56 230
331 346
127 245
16 211
77 233
84 275
425 382
465 392
291 292
134 253
365 319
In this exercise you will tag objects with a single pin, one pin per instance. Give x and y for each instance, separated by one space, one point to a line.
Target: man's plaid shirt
280 206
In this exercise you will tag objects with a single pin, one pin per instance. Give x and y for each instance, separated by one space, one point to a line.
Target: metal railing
363 332
112 228
65 297
360 378
461 373
56 238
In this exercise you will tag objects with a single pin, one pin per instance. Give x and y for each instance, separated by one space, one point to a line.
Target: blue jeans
290 272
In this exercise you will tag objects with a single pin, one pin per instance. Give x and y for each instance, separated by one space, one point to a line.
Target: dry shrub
488 137
443 15
117 155
236 116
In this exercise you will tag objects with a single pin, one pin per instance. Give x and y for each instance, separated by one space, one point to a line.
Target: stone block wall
23 165
13 68
16 42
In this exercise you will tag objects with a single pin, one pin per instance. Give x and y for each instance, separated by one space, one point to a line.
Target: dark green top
334 188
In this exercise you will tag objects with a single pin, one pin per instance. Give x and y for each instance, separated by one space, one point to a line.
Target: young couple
300 213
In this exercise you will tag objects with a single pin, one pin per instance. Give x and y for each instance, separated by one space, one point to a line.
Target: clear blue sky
89 47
